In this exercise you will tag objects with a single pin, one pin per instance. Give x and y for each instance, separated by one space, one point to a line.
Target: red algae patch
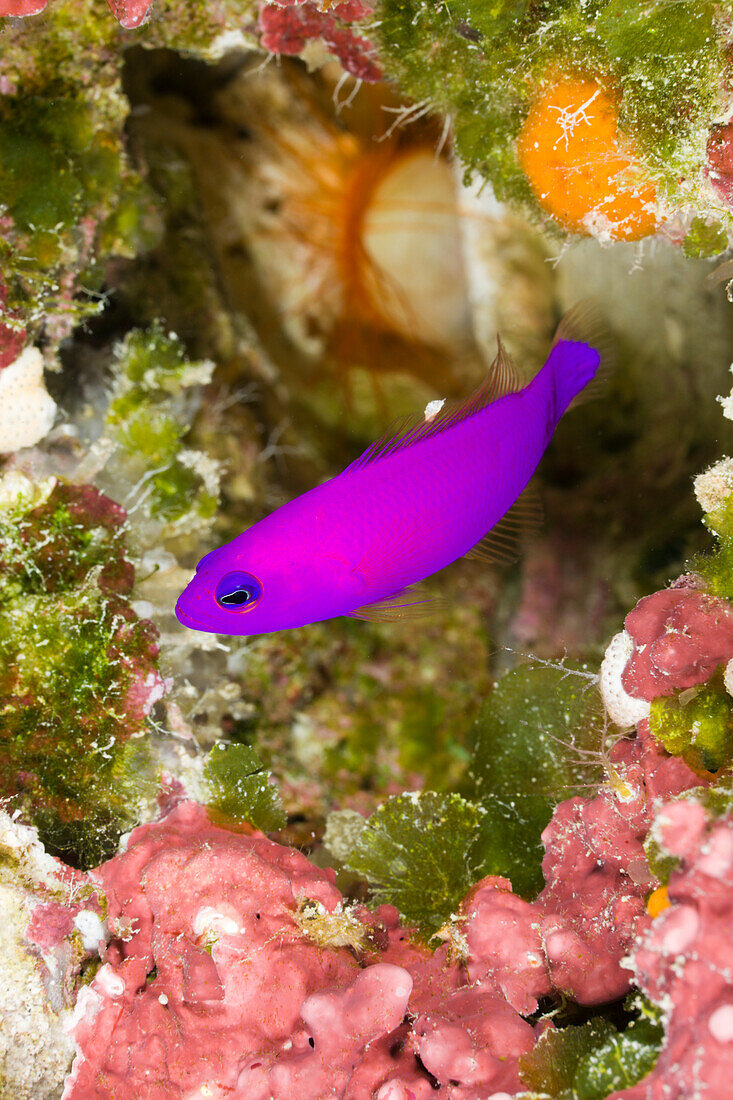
582 170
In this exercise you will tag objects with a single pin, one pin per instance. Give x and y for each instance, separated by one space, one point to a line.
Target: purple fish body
395 516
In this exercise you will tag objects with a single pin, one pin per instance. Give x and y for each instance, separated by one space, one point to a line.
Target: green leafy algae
149 418
538 736
717 567
593 1060
696 724
421 853
704 239
241 787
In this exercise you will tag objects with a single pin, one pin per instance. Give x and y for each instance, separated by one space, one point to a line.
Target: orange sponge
583 172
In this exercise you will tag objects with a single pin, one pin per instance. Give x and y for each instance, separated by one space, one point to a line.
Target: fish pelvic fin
503 378
582 356
408 604
501 546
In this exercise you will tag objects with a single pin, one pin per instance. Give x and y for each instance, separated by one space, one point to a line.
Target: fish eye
238 591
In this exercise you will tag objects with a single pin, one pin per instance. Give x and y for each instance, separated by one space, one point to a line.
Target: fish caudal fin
581 356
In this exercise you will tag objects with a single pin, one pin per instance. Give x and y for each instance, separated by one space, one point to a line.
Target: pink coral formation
129 13
221 990
685 959
680 635
574 936
228 984
227 974
287 26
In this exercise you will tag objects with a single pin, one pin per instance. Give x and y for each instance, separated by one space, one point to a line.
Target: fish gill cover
483 853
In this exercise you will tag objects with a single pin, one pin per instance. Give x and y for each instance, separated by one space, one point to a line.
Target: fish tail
581 357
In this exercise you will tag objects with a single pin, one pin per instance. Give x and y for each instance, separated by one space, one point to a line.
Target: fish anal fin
503 378
410 603
501 546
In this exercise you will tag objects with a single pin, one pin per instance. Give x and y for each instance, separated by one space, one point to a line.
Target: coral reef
683 960
221 279
234 962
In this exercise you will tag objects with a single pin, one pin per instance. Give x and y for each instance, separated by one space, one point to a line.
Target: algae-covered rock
36 990
79 668
649 77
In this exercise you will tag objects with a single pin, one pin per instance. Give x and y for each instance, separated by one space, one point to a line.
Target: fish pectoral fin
409 603
392 551
501 545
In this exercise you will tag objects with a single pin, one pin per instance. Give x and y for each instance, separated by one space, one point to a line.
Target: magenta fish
413 503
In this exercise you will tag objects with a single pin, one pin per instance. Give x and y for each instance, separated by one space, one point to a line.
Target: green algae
70 201
593 1060
149 419
717 567
704 239
241 787
72 655
696 724
538 737
421 853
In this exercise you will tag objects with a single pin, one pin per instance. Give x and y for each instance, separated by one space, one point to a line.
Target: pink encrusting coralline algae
129 13
576 934
680 636
218 989
287 25
234 978
684 961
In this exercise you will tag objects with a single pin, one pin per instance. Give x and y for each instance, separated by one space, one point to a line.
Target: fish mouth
194 622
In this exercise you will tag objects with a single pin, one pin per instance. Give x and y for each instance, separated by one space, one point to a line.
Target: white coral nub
715 485
623 709
26 409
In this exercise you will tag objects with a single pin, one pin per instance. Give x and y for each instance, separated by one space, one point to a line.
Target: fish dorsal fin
503 378
501 545
407 604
